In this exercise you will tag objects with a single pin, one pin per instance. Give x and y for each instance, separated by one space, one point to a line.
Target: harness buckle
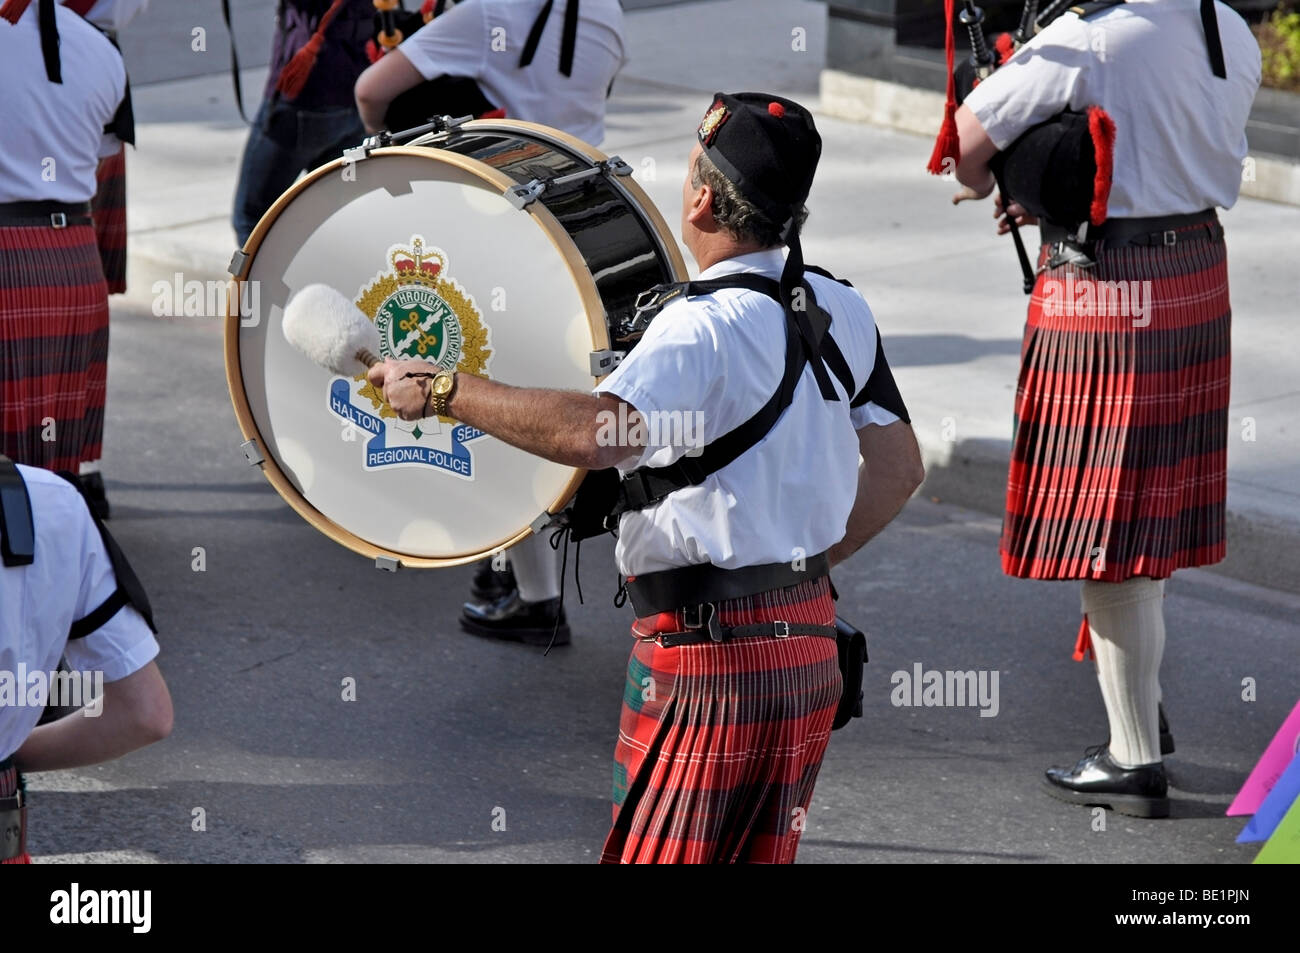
1171 237
59 219
781 630
706 616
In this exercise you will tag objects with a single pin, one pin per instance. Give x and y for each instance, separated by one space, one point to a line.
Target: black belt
47 214
13 819
1161 230
670 589
703 626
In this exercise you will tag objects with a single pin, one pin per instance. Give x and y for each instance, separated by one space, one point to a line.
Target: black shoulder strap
1085 10
49 28
129 588
234 55
568 40
880 387
646 486
17 531
122 124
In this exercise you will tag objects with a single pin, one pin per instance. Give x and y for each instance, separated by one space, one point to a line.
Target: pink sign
1279 753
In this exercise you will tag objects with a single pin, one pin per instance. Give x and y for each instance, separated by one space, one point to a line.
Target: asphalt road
447 731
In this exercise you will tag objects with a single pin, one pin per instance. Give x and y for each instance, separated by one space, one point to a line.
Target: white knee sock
537 568
1128 635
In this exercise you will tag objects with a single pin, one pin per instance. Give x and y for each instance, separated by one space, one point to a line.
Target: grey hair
735 213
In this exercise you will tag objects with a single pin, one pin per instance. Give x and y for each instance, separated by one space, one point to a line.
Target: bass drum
498 248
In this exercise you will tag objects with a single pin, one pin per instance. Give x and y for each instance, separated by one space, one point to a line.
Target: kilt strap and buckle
696 590
702 626
13 817
1165 230
44 214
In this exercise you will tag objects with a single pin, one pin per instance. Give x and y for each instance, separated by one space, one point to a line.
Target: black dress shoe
1098 781
92 485
513 620
1166 739
490 584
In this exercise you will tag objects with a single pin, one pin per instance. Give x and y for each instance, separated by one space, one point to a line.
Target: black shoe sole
1134 805
527 636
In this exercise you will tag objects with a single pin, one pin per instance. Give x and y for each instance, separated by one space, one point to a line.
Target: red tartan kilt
108 211
53 346
1119 459
720 745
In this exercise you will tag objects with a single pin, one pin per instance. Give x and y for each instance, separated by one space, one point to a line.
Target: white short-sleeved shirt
112 15
714 361
53 133
1180 131
70 577
483 39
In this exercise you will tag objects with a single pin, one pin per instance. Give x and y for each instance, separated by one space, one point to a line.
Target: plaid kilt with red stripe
53 346
108 211
9 784
720 744
1119 459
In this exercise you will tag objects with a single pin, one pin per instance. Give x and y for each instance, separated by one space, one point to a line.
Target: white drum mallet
330 330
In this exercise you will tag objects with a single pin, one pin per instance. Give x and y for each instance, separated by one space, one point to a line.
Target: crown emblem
414 266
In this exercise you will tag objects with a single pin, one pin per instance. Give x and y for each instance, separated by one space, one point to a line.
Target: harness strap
646 486
568 39
17 531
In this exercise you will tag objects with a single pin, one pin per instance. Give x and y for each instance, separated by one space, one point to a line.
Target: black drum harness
604 496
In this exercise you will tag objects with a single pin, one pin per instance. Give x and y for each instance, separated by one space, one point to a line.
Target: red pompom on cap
776 109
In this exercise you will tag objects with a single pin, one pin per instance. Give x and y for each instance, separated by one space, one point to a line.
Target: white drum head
427 246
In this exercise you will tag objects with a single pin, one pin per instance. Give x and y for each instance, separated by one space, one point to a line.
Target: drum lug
603 362
238 263
543 520
387 563
521 196
616 166
252 453
358 153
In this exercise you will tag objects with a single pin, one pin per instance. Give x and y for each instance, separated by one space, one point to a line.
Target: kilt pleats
1119 458
108 211
720 745
53 346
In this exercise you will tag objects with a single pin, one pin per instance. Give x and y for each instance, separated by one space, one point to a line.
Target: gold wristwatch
440 391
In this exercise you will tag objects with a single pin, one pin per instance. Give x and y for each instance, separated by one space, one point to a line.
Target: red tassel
1005 45
13 10
1083 644
294 75
948 145
1102 129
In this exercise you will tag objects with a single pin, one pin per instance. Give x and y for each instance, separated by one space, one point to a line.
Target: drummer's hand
406 395
1022 217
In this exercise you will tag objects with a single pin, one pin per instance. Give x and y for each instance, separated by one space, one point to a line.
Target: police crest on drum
421 313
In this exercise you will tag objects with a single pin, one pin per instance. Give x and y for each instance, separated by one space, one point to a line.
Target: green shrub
1279 45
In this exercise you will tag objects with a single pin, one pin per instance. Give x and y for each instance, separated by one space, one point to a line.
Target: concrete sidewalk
945 290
